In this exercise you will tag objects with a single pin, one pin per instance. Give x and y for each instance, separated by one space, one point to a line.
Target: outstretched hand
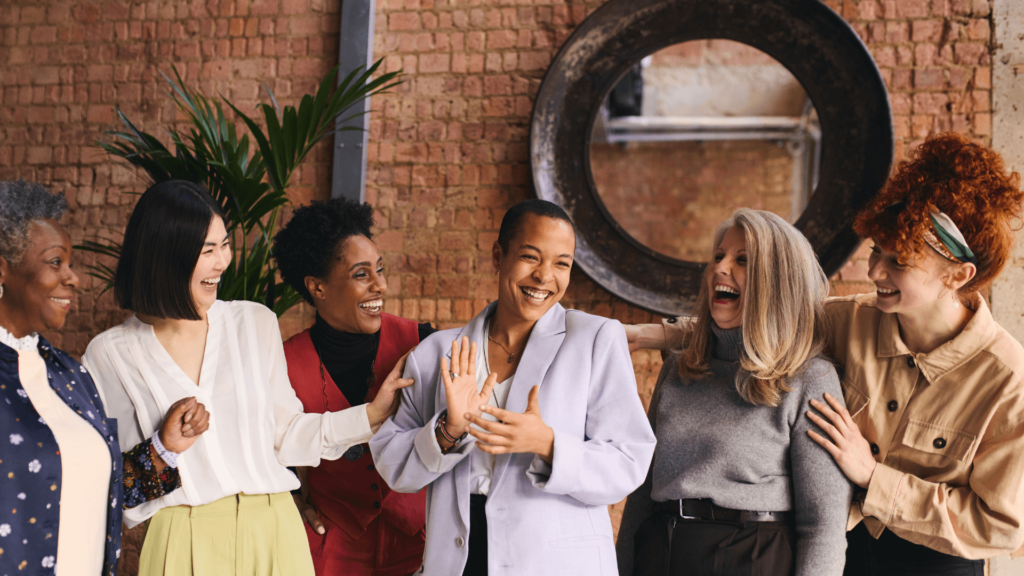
515 433
387 400
460 391
851 450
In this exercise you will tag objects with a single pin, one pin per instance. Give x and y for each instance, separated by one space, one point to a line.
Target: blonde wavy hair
783 313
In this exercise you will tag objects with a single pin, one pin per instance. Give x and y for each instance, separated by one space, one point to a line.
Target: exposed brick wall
448 150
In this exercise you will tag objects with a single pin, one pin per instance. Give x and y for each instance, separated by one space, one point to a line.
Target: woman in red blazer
355 523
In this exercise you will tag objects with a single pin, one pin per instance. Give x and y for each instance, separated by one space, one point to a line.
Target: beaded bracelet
170 458
444 431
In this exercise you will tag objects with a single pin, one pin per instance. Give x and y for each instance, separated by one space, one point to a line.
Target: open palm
460 391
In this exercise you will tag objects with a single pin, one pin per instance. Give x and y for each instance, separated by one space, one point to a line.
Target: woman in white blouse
233 513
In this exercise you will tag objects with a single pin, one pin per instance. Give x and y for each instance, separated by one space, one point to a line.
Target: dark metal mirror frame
820 49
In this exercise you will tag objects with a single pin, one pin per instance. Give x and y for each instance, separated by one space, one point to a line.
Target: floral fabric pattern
142 482
30 465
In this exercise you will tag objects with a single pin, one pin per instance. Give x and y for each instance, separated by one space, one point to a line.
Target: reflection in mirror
695 131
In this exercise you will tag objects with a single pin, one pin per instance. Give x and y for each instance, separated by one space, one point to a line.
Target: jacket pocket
856 399
583 556
938 449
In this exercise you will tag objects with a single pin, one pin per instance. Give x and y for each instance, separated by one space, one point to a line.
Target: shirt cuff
348 428
883 489
141 481
672 330
563 474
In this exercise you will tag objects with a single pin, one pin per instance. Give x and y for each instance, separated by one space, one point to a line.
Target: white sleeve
116 401
302 439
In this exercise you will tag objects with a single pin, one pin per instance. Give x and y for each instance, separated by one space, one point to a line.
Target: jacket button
373 486
376 505
459 541
874 449
672 320
910 362
370 467
939 443
893 405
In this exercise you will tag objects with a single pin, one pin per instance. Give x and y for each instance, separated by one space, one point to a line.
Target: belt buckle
683 515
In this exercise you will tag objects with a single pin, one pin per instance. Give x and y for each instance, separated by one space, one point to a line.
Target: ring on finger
453 375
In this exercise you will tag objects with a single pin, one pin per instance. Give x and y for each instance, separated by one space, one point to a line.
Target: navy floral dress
30 467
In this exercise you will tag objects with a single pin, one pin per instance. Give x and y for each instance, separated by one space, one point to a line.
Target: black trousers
666 545
476 565
891 555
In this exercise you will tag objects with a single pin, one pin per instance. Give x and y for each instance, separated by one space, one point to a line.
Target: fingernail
483 406
466 415
320 530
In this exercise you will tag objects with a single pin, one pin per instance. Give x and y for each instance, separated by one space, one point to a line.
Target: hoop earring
1 290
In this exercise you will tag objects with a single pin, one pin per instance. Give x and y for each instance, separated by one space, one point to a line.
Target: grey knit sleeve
639 506
821 492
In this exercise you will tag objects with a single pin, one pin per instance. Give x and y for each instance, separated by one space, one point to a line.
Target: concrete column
1008 140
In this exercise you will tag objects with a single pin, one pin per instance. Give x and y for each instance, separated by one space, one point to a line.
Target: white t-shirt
257 426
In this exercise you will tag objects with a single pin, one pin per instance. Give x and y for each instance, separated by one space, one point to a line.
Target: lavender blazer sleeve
541 519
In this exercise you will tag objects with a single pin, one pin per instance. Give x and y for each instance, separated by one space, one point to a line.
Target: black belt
705 509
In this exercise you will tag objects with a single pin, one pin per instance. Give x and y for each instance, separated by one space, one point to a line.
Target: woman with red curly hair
933 428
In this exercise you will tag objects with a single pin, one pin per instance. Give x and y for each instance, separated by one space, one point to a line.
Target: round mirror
695 131
658 117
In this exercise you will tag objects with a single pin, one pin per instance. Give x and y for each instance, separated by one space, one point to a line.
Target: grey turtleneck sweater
713 444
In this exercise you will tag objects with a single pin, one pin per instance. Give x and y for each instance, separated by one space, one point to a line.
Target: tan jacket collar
978 333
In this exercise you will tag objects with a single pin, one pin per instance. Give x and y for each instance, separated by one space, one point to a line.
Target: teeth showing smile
726 289
372 305
62 301
885 291
211 281
537 296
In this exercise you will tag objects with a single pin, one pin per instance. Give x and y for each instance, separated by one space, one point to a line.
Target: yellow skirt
241 535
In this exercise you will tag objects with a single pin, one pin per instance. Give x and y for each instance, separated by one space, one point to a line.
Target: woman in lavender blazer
558 430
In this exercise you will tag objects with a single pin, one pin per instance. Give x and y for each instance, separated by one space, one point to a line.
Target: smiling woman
355 523
558 431
59 456
233 514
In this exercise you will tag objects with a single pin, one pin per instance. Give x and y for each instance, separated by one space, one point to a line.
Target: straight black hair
161 247
512 222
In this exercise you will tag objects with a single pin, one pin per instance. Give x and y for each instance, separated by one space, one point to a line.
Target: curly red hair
965 180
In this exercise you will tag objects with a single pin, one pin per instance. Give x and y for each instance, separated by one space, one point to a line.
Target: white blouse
257 426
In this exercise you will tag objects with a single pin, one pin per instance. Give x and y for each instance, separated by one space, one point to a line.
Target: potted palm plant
250 185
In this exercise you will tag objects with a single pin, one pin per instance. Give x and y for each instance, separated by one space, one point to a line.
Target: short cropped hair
512 222
161 247
966 181
783 309
308 245
20 203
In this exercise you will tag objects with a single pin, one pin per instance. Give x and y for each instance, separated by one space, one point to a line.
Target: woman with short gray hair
52 424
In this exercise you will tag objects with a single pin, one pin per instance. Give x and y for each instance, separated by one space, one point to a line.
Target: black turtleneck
349 357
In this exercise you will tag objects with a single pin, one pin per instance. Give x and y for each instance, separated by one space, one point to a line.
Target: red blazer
352 493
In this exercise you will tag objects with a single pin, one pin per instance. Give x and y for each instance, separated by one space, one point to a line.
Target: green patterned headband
947 239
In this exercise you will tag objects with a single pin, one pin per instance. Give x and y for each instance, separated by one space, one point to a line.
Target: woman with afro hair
355 523
933 428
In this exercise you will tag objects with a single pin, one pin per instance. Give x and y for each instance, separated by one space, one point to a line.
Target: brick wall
448 150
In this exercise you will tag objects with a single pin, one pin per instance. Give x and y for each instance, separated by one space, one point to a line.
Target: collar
978 334
728 344
552 322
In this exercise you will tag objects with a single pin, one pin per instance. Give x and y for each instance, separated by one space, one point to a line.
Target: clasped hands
513 432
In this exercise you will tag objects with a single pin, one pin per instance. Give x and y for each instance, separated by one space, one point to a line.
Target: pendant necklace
511 356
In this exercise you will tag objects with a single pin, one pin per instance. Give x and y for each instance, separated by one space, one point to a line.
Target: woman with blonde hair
736 485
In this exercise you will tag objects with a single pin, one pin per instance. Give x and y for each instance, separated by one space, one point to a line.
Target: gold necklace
511 356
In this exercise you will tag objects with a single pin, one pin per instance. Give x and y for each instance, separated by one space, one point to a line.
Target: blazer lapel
545 340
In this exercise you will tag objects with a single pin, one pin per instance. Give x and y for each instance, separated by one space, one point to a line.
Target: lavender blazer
541 519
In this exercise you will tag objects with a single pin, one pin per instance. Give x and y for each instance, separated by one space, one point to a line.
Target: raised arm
405 449
664 336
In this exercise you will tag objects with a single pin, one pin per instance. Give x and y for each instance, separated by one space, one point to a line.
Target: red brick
404 21
928 78
912 8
